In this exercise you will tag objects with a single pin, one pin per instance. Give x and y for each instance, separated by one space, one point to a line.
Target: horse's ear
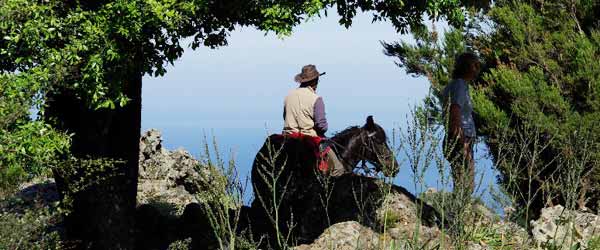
370 123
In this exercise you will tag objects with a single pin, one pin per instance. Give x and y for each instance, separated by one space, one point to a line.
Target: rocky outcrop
562 228
348 235
171 187
173 177
399 213
41 191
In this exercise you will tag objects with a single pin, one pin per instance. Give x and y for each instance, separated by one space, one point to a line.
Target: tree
88 59
537 101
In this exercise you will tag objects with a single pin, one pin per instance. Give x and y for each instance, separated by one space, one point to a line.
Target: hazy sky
243 84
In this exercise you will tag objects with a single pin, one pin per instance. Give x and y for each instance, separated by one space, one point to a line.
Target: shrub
540 83
28 147
33 228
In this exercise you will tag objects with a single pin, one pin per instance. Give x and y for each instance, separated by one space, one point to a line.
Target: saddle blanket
318 145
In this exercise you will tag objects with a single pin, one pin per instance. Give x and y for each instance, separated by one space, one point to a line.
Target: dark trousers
460 155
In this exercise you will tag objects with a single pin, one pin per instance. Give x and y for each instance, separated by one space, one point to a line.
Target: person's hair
462 65
310 83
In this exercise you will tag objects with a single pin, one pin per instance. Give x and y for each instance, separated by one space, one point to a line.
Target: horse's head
375 149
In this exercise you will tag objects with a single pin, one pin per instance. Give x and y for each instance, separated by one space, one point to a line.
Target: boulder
348 235
168 176
399 214
559 227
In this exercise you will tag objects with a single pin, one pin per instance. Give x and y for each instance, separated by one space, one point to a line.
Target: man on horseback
304 114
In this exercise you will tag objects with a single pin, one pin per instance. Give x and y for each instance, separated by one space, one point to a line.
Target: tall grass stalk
223 207
271 175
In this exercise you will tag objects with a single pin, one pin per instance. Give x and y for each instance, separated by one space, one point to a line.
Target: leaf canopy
91 46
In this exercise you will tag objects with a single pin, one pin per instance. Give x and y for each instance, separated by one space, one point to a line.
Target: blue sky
243 84
236 92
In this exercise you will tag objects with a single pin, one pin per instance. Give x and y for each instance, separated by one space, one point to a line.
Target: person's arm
321 125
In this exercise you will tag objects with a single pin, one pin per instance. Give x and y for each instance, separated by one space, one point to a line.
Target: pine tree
537 100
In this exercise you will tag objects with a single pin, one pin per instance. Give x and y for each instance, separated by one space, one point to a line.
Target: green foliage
222 199
28 151
541 73
390 218
594 243
29 229
27 147
91 47
181 244
79 175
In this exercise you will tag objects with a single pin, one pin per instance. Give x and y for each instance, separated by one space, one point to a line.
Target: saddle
320 146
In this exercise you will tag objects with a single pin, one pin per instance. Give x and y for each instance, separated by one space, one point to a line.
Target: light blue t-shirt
458 92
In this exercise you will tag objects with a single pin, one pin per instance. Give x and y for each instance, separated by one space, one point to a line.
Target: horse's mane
344 136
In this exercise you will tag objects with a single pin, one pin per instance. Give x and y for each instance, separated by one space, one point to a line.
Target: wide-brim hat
308 73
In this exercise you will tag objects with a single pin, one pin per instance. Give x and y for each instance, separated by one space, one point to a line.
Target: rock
484 214
171 185
41 190
314 208
400 215
165 176
348 235
477 246
560 227
168 176
431 190
36 193
158 190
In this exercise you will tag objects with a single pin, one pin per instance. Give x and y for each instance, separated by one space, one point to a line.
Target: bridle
366 143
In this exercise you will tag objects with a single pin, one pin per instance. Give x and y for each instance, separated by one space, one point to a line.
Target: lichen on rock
173 177
348 235
564 228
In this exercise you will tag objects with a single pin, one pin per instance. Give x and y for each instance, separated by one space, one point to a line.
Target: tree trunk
102 215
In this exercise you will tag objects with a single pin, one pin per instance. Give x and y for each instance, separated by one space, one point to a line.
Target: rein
364 147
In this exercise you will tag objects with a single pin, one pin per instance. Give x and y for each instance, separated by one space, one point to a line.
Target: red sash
313 143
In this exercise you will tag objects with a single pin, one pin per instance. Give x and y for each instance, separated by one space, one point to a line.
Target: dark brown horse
289 190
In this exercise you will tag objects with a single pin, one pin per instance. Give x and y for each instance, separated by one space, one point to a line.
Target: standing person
304 115
460 129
